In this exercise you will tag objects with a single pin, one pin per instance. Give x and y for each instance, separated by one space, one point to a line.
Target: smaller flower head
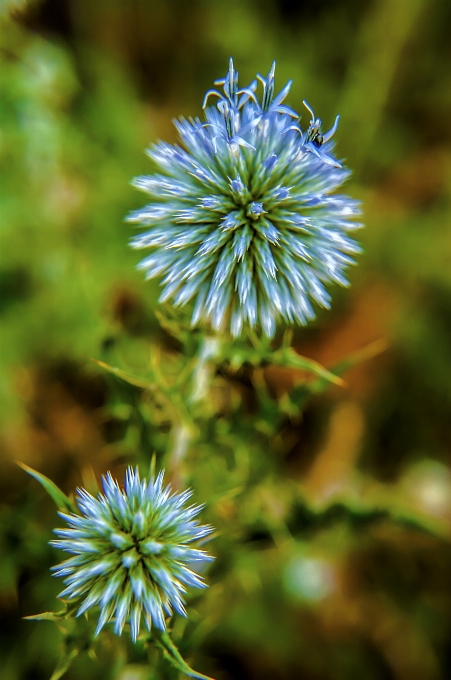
131 548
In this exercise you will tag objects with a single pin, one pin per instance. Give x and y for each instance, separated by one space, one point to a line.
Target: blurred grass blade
62 501
361 355
173 656
386 28
64 663
293 402
123 375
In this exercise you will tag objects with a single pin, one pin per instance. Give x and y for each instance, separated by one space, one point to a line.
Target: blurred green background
361 587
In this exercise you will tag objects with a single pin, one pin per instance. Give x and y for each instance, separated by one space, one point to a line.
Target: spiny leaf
172 654
288 358
68 612
380 505
285 357
62 501
47 616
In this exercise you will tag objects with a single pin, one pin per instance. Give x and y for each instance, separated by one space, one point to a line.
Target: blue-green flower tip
244 222
131 548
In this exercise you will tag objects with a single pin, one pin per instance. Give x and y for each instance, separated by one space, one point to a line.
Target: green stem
182 432
203 370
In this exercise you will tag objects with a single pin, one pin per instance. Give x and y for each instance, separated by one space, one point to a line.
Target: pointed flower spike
248 93
231 84
322 156
332 131
310 110
271 104
268 88
276 104
211 93
283 93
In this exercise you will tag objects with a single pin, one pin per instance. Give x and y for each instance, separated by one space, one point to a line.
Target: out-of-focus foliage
333 509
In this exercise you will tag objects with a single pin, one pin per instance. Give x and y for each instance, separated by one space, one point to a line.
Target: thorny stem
182 432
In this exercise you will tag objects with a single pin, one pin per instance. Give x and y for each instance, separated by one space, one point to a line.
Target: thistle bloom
132 549
243 220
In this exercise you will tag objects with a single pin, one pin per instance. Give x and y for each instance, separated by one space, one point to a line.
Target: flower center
254 210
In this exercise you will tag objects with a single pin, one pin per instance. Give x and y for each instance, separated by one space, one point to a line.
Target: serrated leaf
173 656
62 501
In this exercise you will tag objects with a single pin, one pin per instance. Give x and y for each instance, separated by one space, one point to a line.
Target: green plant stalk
199 386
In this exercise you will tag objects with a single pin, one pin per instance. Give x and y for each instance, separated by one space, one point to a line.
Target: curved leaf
62 501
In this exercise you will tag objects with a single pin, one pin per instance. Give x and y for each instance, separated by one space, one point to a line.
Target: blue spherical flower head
244 222
131 548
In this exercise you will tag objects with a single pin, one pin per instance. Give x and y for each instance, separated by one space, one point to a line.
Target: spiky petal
132 549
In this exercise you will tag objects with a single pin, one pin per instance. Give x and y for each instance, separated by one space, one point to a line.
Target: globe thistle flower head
244 222
131 548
